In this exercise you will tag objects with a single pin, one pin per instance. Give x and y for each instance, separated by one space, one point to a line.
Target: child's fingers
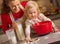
34 40
56 31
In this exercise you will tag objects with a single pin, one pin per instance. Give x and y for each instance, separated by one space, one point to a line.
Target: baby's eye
34 12
17 4
30 13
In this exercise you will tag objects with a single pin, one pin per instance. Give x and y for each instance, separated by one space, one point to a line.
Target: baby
33 15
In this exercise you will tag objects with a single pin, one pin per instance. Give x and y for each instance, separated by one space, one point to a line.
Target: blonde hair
29 5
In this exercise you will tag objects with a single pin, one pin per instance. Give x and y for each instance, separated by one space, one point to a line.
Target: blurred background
46 6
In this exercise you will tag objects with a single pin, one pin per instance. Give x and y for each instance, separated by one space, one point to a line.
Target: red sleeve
5 22
23 3
0 26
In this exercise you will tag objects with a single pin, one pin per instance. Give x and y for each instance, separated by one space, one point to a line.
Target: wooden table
50 38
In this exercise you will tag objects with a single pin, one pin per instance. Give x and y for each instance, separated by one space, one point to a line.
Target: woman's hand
14 25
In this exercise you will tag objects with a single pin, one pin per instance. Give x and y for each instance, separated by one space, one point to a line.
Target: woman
12 11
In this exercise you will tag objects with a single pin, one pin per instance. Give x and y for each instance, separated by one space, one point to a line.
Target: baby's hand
56 30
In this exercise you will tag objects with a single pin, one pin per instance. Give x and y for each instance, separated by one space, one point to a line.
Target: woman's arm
22 5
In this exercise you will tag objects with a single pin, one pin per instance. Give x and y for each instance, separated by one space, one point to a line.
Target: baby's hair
29 5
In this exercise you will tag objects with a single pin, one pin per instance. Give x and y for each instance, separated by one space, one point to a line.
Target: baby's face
32 13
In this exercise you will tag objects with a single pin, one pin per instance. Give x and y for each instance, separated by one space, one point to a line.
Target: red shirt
6 20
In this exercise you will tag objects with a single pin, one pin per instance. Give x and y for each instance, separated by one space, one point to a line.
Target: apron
18 30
